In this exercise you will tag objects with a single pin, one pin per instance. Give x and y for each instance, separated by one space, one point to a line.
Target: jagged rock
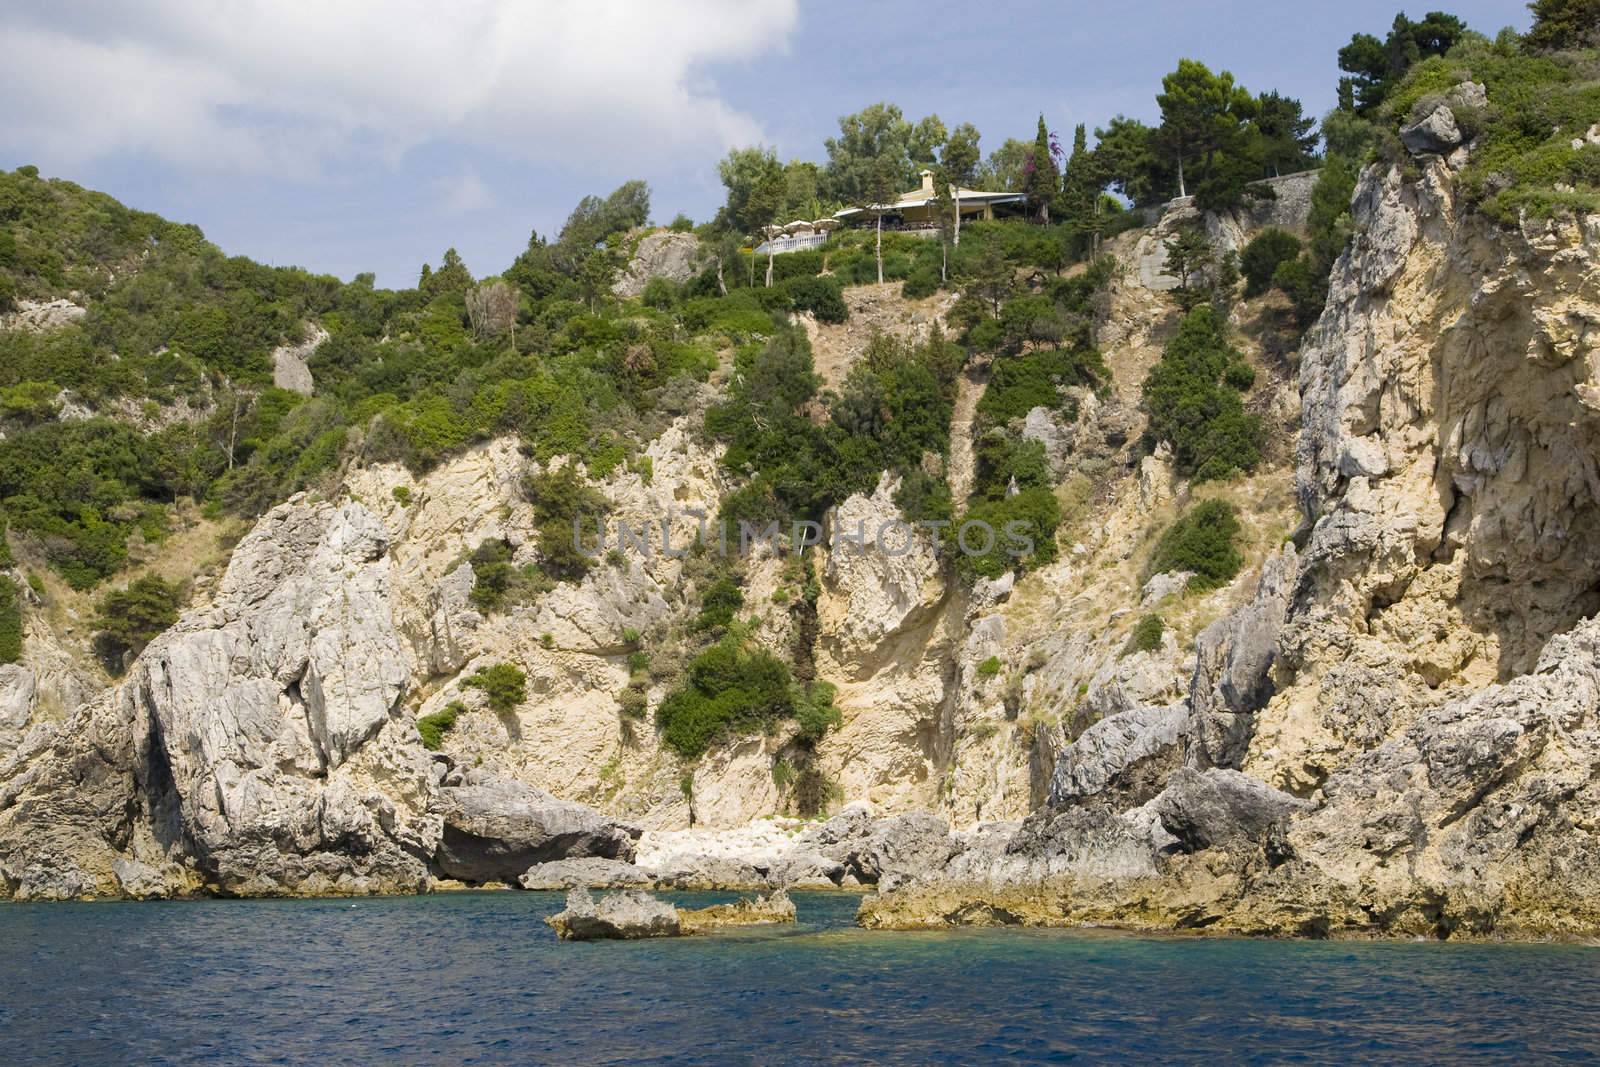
1201 809
689 871
625 915
590 872
496 829
139 880
1124 759
760 911
664 254
1233 660
36 316
1163 585
290 369
1041 424
1436 132
913 844
804 869
18 690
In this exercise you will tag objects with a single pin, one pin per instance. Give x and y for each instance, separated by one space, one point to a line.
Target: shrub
10 621
497 583
1305 286
638 662
659 293
1146 635
722 599
1021 383
1203 541
434 727
129 619
730 688
502 683
402 495
1262 255
820 296
567 510
923 282
1193 401
989 667
1036 513
815 714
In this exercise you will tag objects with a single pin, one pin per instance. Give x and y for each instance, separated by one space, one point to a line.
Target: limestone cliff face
1398 734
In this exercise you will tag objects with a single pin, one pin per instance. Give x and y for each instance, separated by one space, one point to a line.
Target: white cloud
290 86
463 194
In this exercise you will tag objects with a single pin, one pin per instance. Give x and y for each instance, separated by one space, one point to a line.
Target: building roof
925 195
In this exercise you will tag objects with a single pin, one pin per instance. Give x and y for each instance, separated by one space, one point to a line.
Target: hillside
1194 562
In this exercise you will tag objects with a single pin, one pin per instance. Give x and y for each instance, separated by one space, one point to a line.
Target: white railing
797 242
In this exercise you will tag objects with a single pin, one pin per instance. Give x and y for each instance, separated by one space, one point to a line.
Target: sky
369 135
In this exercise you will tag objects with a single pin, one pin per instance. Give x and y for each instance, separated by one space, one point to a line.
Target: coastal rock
496 829
1201 809
1123 759
758 911
1233 660
589 872
622 916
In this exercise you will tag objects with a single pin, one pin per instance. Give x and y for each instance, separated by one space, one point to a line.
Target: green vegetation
893 407
498 583
10 621
1203 541
130 618
1262 257
731 688
717 607
433 727
503 684
1146 635
1193 398
989 668
1539 102
569 515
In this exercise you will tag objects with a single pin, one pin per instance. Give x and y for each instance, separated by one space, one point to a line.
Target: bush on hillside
1194 403
1262 255
1205 541
129 619
503 684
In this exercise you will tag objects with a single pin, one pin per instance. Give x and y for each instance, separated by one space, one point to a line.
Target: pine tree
1041 182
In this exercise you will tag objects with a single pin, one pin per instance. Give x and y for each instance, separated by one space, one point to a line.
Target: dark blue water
478 978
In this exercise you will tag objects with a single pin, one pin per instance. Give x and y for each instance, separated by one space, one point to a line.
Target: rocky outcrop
631 914
42 316
593 872
496 829
1396 734
1233 660
627 915
749 911
664 254
1125 758
291 363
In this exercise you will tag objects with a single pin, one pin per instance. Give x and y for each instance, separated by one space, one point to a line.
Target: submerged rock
758 911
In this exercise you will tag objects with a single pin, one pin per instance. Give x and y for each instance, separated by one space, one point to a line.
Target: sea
478 978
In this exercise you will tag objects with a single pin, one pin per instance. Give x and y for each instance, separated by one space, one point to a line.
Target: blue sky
371 136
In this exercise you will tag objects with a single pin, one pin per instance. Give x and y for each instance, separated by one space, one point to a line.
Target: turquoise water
478 978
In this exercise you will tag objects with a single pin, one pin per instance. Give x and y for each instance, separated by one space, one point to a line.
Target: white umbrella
798 226
826 224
